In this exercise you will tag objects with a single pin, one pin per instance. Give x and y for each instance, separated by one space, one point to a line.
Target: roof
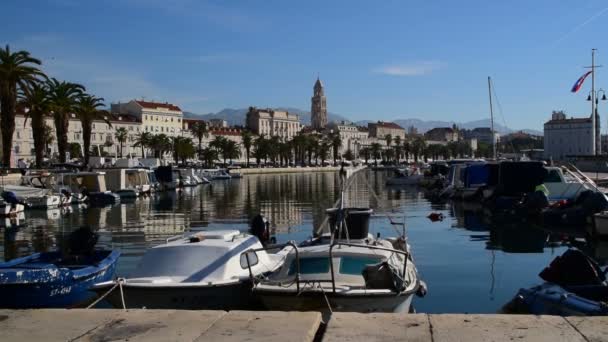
569 121
154 105
387 125
225 131
440 129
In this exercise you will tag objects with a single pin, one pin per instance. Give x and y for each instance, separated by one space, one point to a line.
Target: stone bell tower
318 110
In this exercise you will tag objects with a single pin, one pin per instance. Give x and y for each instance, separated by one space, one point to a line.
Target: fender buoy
434 217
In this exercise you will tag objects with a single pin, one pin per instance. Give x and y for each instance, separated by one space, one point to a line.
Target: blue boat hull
550 299
60 288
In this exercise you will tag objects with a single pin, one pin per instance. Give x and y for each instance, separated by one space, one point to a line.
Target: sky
378 60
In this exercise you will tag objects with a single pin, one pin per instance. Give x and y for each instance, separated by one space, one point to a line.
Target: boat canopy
476 175
516 178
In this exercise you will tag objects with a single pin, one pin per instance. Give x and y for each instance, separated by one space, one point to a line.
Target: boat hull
60 292
316 301
222 297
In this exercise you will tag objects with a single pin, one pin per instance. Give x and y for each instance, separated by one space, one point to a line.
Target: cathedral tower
318 110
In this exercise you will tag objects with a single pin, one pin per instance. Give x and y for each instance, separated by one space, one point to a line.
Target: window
310 265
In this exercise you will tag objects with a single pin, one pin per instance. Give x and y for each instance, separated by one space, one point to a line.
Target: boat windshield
179 261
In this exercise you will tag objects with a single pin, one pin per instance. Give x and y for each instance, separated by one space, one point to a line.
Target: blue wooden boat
52 280
551 299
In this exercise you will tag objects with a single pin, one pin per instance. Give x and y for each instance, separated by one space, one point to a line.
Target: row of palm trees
23 84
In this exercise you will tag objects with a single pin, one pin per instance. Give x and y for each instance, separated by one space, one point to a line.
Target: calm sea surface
470 263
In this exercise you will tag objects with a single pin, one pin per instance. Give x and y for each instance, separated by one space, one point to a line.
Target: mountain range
236 117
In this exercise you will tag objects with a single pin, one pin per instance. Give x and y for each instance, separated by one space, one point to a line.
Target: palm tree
418 147
88 111
247 138
64 98
389 140
48 137
121 136
260 152
312 145
143 140
36 102
336 143
365 152
160 143
323 150
182 148
17 73
375 150
200 131
397 148
209 156
231 151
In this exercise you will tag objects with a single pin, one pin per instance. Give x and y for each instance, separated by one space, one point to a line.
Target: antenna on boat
492 119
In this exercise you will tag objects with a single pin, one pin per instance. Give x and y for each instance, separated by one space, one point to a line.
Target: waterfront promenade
268 326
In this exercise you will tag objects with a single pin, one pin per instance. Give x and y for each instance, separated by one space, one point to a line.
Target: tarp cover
26 191
516 178
164 174
476 175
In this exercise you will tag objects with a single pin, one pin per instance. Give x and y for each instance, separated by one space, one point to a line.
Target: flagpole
593 123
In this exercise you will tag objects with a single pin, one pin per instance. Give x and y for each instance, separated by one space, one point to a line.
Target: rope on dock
118 283
326 300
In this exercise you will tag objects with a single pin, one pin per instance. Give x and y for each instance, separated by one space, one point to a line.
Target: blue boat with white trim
53 279
200 270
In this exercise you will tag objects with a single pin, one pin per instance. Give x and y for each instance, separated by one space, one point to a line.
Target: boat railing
330 256
271 247
348 244
174 238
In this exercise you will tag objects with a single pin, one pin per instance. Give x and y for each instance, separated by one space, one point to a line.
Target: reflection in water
470 262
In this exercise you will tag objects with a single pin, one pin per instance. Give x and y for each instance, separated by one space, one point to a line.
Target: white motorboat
91 185
203 270
344 272
216 174
563 184
34 197
52 182
405 176
10 205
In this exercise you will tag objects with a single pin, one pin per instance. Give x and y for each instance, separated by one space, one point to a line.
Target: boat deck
267 326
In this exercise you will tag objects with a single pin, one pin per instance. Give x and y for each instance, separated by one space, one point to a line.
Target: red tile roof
387 125
225 131
569 121
154 105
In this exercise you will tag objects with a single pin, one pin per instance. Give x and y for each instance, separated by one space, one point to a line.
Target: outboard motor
82 241
260 227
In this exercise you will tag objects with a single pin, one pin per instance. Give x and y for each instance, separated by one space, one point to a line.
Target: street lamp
595 115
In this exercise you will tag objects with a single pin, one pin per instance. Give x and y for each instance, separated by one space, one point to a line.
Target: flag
579 83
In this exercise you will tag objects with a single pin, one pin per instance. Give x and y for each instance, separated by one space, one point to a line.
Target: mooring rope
118 283
326 299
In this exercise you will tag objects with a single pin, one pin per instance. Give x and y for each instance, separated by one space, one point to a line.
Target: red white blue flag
579 83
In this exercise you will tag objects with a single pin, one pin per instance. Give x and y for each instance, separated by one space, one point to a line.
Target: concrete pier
268 326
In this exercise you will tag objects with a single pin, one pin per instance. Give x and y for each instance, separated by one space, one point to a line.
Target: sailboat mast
492 118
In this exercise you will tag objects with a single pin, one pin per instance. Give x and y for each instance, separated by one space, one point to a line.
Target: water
469 263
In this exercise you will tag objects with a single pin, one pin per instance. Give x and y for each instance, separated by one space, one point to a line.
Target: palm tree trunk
61 126
7 122
86 141
38 133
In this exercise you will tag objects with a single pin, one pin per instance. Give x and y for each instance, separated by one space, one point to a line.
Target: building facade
272 123
318 109
449 134
483 135
567 137
352 136
381 129
155 117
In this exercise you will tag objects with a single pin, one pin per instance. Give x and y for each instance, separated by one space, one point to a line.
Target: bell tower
318 110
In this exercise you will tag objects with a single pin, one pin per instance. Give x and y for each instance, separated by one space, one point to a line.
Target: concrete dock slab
267 326
155 325
498 328
594 329
377 327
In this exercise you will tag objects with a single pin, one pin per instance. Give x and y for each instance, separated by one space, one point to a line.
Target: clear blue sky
377 59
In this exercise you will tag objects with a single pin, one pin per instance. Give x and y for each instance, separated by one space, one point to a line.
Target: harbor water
472 263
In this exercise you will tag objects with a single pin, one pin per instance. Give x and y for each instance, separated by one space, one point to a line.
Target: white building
272 123
352 136
567 137
155 117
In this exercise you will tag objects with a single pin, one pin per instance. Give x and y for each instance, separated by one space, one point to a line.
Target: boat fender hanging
422 289
434 217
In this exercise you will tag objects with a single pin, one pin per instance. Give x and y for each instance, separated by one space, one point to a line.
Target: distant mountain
237 117
423 126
